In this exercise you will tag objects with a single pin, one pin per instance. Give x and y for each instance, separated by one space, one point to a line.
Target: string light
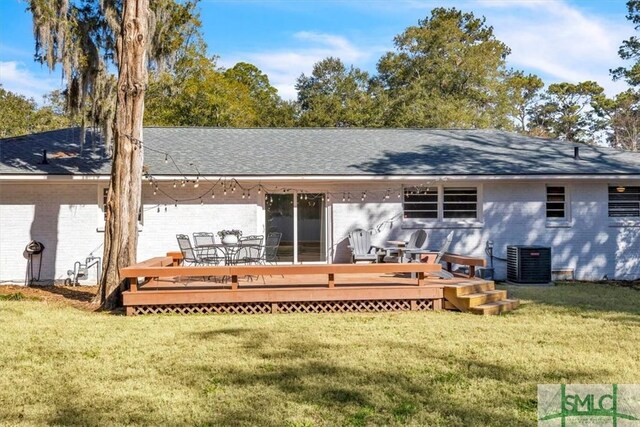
416 190
165 207
201 202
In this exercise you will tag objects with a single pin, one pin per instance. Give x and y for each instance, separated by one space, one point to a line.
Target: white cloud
558 41
284 66
15 77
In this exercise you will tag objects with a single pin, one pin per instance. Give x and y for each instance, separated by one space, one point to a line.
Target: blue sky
559 40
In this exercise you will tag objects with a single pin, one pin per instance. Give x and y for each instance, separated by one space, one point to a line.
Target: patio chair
189 255
416 242
270 253
361 248
203 243
250 251
434 257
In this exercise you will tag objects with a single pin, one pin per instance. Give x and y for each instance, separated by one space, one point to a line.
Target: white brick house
317 185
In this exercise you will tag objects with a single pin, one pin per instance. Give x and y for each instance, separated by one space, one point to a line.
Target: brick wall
66 217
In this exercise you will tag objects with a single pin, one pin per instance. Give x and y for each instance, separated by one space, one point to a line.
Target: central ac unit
528 264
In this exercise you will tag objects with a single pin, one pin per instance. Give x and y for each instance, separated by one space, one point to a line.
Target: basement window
624 202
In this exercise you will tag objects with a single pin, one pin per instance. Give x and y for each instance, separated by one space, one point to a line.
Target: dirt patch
75 296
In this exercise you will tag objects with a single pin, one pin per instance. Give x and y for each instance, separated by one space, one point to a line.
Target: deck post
472 271
421 278
234 282
133 284
128 311
437 304
274 307
332 280
449 266
414 305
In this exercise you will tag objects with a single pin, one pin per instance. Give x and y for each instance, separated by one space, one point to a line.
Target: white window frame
614 218
441 221
566 220
101 214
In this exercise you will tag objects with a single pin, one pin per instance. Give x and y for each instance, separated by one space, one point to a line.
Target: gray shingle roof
327 151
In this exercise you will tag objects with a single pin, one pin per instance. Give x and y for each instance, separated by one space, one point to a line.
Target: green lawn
63 365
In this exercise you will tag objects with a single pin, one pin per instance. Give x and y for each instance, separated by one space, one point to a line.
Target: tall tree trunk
123 201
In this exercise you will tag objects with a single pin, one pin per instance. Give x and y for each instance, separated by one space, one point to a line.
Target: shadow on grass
296 374
583 296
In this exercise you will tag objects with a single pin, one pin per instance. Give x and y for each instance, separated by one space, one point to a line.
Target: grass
63 365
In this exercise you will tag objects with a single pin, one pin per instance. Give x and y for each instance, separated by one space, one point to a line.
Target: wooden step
475 287
450 306
497 307
465 302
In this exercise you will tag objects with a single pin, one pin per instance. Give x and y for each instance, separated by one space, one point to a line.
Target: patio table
229 250
398 246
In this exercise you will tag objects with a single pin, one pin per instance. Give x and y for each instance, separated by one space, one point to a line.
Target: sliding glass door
302 221
311 229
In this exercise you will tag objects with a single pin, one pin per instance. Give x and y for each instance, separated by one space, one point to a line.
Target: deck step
459 289
497 307
473 300
450 306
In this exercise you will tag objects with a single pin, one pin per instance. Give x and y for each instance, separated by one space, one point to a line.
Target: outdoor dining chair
189 254
250 250
270 252
204 245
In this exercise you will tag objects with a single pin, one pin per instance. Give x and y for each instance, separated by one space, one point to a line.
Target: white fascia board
332 178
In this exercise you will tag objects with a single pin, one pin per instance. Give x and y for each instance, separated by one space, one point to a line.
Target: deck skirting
367 306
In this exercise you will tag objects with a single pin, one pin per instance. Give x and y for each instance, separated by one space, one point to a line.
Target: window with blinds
421 203
460 202
624 202
556 202
440 203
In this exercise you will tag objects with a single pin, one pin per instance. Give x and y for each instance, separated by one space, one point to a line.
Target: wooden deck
161 285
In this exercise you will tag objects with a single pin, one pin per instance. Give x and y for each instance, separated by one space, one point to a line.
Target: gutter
331 178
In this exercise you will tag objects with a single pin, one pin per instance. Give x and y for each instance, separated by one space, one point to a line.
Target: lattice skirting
288 307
